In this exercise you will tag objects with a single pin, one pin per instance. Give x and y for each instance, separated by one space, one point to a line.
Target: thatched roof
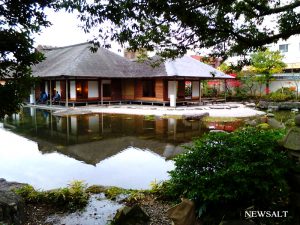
79 61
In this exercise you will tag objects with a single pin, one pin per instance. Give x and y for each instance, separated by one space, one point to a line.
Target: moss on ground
149 117
171 116
69 198
220 119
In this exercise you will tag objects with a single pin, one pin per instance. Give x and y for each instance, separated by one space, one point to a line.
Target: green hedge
225 173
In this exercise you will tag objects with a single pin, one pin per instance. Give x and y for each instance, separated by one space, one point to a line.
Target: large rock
273 108
252 123
183 213
195 116
4 185
270 115
11 205
275 123
292 140
279 105
252 104
297 120
134 215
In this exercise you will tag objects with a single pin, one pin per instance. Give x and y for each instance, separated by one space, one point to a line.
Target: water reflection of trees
92 138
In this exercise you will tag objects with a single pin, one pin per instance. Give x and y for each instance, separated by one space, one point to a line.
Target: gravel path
37 214
217 110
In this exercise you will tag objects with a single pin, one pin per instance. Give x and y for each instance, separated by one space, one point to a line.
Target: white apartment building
290 48
290 77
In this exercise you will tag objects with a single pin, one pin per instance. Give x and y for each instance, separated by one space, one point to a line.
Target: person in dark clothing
43 97
56 97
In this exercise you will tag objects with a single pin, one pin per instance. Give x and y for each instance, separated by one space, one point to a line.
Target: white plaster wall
57 87
172 92
277 84
72 89
195 89
256 88
93 91
172 88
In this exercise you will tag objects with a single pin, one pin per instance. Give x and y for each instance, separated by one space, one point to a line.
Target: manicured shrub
278 97
225 173
282 94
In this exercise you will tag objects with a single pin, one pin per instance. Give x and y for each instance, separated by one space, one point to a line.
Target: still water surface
129 151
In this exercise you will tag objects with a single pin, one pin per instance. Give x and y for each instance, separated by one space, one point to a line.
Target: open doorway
188 89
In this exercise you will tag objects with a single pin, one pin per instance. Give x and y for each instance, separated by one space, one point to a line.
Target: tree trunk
268 87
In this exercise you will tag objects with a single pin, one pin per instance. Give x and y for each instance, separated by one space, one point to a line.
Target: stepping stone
250 104
219 107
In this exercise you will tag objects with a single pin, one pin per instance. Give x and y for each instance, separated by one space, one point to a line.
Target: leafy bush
227 173
241 93
113 192
210 92
282 94
287 91
71 198
263 126
188 90
278 97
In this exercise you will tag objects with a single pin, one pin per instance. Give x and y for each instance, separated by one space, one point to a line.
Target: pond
128 151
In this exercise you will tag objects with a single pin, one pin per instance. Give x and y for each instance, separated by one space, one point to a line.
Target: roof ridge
67 46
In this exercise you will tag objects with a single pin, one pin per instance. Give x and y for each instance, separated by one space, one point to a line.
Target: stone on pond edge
134 215
12 206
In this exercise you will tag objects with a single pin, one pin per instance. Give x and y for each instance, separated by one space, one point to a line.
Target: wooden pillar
67 93
200 90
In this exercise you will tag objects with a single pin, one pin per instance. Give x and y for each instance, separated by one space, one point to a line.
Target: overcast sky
65 31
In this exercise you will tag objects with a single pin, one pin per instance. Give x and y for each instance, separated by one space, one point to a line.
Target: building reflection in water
93 138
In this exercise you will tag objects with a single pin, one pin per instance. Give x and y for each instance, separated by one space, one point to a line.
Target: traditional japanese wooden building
81 76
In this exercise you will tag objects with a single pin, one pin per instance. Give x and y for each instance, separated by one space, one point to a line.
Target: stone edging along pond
281 105
11 205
